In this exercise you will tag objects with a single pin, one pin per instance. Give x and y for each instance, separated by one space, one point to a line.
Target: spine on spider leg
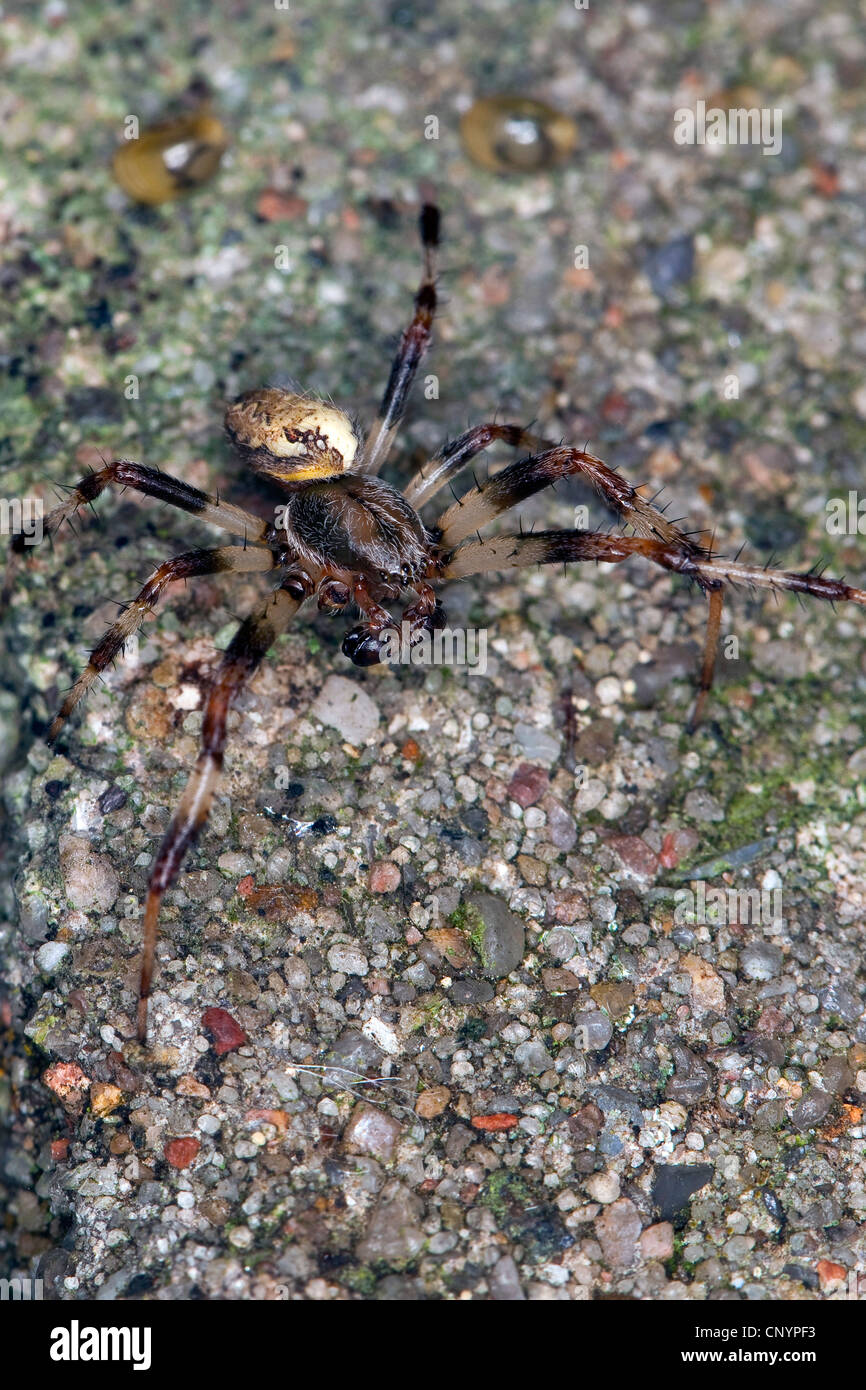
790 581
243 654
188 820
194 562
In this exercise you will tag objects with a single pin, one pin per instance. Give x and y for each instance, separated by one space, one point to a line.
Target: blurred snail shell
511 134
171 158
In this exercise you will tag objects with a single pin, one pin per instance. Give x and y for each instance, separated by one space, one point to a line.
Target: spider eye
292 438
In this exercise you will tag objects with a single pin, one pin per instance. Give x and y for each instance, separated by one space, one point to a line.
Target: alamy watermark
22 516
740 125
21 1290
846 516
464 648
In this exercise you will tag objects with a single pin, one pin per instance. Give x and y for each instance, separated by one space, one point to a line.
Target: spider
345 538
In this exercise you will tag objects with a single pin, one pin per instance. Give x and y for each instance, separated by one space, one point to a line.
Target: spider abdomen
357 524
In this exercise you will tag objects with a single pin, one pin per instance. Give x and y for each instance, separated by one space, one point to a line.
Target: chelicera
346 538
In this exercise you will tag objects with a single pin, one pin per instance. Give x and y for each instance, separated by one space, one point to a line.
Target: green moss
502 1191
40 1033
468 920
362 1279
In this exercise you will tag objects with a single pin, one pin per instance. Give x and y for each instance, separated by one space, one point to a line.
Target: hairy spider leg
433 475
710 572
122 473
413 345
527 476
222 560
254 637
716 597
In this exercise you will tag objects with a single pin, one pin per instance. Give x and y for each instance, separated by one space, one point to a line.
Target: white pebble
49 956
608 690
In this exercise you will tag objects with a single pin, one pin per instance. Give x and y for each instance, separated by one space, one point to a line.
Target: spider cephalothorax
349 536
346 537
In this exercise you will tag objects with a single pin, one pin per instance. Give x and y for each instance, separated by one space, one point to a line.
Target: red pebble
60 1150
181 1152
384 877
528 785
227 1034
668 858
635 854
493 1123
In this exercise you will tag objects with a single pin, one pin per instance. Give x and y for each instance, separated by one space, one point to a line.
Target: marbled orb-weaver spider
349 538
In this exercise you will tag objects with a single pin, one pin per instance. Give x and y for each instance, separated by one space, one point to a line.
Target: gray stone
502 937
701 806
811 1109
344 706
691 1079
533 1058
504 1281
538 745
760 961
394 1233
593 1030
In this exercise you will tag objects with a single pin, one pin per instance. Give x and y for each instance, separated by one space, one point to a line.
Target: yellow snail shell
171 158
511 134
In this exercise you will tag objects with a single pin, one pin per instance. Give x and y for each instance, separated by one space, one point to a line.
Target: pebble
657 1242
831 1276
343 705
533 1058
348 959
608 690
837 998
503 939
88 878
675 1183
560 944
372 1132
469 991
603 1187
68 1081
722 269
528 785
227 1033
394 1233
593 1030
384 877
708 988
618 1229
701 806
104 1097
761 961
241 1237
49 956
504 1281
180 1153
671 264
432 1102
615 997
811 1109
691 1079
538 745
556 980
836 1075
635 856
561 829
